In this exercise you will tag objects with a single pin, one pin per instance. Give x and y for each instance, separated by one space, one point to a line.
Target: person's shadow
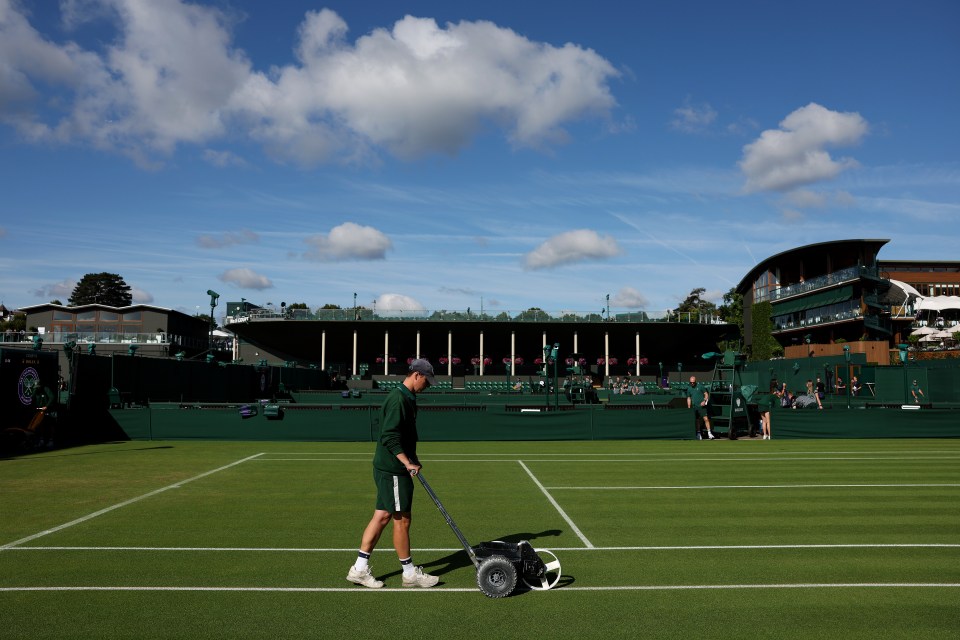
460 560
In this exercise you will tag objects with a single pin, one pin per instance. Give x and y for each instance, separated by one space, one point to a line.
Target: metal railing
421 315
821 282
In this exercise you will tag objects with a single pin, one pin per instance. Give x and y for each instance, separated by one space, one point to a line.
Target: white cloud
693 118
349 241
171 75
223 159
572 246
398 302
794 155
806 199
630 298
60 290
163 81
227 239
139 296
246 279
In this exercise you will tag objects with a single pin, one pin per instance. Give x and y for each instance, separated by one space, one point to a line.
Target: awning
822 299
939 303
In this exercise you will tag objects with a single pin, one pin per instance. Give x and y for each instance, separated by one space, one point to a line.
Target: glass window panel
133 316
86 316
62 315
109 316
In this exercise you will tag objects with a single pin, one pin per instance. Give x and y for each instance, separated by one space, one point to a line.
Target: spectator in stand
786 398
855 386
841 388
821 389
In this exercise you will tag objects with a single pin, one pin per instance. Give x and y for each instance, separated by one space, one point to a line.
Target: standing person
916 392
855 386
698 398
766 408
395 463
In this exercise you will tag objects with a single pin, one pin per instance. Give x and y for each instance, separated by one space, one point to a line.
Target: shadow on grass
34 455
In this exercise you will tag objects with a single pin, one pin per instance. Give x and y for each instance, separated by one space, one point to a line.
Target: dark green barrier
865 423
357 423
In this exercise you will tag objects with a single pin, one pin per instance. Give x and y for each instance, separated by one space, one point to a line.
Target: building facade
841 291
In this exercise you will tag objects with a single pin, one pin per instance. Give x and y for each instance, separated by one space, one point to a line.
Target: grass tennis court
726 539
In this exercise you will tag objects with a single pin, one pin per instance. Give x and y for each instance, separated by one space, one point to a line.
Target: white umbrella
929 338
943 335
923 331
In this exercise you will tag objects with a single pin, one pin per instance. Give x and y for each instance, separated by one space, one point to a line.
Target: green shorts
394 493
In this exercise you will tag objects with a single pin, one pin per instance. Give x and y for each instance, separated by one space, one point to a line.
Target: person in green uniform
766 406
698 398
395 463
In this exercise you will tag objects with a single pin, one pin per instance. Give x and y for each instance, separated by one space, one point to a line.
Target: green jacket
398 431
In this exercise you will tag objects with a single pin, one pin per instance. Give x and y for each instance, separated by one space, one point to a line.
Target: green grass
746 539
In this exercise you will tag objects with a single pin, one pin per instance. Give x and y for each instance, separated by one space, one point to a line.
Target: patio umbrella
929 338
923 331
945 334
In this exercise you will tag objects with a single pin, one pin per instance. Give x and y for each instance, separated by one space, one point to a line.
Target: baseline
652 587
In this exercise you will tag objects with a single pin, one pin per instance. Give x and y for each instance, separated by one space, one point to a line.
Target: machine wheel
496 577
550 577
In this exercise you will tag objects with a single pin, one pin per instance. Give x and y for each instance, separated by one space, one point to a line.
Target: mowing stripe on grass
651 587
758 486
712 547
556 506
125 503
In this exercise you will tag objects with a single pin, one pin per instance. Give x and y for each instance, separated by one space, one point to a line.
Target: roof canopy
939 303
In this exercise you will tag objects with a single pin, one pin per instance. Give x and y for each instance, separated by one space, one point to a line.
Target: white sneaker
710 435
420 579
363 577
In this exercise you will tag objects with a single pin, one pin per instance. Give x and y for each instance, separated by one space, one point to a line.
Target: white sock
363 559
408 568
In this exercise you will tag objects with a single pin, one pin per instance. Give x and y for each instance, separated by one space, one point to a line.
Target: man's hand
413 469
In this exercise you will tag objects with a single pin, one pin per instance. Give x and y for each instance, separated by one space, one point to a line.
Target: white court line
125 503
536 458
756 486
526 455
651 587
761 547
556 506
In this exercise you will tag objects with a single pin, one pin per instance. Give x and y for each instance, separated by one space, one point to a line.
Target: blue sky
439 155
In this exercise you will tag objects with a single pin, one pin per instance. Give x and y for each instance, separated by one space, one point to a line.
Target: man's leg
371 535
360 572
413 576
401 533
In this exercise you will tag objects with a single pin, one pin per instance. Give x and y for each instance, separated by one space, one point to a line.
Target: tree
696 305
101 288
765 346
533 314
298 305
731 311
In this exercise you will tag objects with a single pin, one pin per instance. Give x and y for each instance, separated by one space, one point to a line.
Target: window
133 316
109 316
86 316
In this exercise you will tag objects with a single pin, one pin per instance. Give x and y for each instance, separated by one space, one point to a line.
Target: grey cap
424 368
